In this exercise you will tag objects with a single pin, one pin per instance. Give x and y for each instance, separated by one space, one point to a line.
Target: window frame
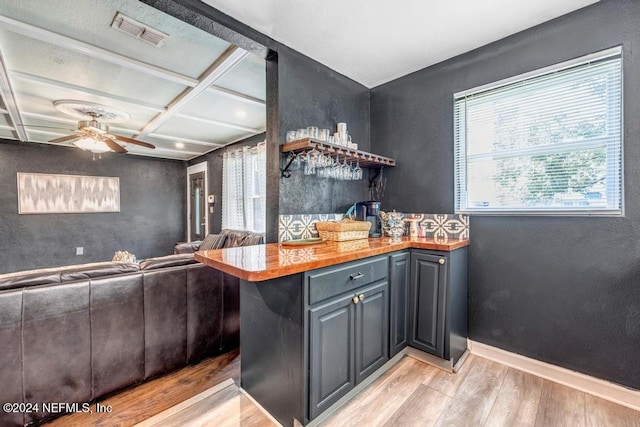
461 148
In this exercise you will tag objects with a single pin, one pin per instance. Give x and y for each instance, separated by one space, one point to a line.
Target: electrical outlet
79 250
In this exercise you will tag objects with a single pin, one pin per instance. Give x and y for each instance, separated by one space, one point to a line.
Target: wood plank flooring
412 393
138 403
482 393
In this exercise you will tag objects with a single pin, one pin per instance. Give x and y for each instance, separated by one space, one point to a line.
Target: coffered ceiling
192 95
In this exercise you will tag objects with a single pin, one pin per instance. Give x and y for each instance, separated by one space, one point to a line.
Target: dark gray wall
562 290
214 176
312 94
150 221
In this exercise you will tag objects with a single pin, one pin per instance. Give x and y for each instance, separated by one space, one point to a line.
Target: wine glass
357 172
346 170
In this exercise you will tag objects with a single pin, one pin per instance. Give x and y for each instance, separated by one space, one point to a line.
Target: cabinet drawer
335 280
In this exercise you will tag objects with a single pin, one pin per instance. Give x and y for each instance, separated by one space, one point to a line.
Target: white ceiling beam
81 89
216 122
237 95
227 60
56 39
47 117
3 111
187 140
163 150
9 99
149 153
7 127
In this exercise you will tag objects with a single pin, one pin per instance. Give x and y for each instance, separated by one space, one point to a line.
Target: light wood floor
412 393
138 403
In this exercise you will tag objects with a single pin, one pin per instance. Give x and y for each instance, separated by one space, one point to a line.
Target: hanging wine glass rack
367 160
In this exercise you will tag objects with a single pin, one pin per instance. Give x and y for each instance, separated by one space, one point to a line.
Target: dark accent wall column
564 290
150 221
310 94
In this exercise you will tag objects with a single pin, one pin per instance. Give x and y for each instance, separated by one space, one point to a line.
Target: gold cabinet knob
361 297
441 261
355 300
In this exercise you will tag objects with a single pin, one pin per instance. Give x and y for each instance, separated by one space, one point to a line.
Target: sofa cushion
213 241
96 269
22 279
186 247
167 261
237 238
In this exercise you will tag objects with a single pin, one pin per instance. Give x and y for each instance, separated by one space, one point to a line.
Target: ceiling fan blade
133 141
114 146
65 138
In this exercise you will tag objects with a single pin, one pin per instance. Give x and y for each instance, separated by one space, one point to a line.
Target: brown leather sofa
76 333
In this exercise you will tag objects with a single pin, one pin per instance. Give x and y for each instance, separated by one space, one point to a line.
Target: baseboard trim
588 384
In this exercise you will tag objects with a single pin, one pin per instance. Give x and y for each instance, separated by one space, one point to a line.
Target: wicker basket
343 230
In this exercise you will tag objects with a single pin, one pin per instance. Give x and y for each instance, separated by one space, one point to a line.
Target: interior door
198 210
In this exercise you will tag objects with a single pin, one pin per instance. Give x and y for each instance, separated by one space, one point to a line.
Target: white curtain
244 189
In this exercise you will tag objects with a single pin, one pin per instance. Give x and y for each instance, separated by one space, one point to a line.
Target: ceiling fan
93 132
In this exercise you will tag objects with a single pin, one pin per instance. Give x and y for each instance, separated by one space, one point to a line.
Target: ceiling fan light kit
93 145
93 134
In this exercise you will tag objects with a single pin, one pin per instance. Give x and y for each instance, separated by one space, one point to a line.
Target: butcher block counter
273 260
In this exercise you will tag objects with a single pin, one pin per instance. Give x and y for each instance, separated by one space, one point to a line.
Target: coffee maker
369 211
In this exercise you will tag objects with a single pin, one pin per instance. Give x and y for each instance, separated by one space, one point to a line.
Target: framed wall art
40 193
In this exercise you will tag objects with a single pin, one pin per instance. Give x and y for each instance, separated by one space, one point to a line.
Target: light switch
79 250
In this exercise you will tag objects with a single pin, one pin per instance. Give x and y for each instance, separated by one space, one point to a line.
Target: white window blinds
549 143
244 189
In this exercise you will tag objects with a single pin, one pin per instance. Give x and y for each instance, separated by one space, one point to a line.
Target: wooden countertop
263 262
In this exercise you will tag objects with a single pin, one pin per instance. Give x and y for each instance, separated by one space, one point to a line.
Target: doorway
197 190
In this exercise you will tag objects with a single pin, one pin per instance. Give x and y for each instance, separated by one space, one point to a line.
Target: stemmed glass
346 170
357 171
336 169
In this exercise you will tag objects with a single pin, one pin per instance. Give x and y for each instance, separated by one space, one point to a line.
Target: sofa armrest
186 247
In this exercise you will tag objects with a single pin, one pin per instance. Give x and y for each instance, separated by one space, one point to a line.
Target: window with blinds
244 189
547 142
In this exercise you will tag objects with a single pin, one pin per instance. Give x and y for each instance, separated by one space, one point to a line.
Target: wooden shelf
367 160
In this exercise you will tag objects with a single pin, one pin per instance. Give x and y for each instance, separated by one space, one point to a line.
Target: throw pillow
212 241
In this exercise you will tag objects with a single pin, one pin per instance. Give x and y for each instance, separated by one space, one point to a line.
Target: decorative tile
292 227
450 226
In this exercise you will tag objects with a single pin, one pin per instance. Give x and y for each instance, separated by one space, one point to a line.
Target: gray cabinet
348 328
428 296
331 353
372 330
309 338
399 275
438 312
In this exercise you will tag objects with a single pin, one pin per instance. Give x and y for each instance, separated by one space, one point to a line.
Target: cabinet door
399 272
372 330
428 279
331 353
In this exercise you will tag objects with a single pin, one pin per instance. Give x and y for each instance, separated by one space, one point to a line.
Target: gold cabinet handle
355 300
361 297
441 261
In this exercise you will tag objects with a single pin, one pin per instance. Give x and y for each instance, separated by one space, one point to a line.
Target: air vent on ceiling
139 30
